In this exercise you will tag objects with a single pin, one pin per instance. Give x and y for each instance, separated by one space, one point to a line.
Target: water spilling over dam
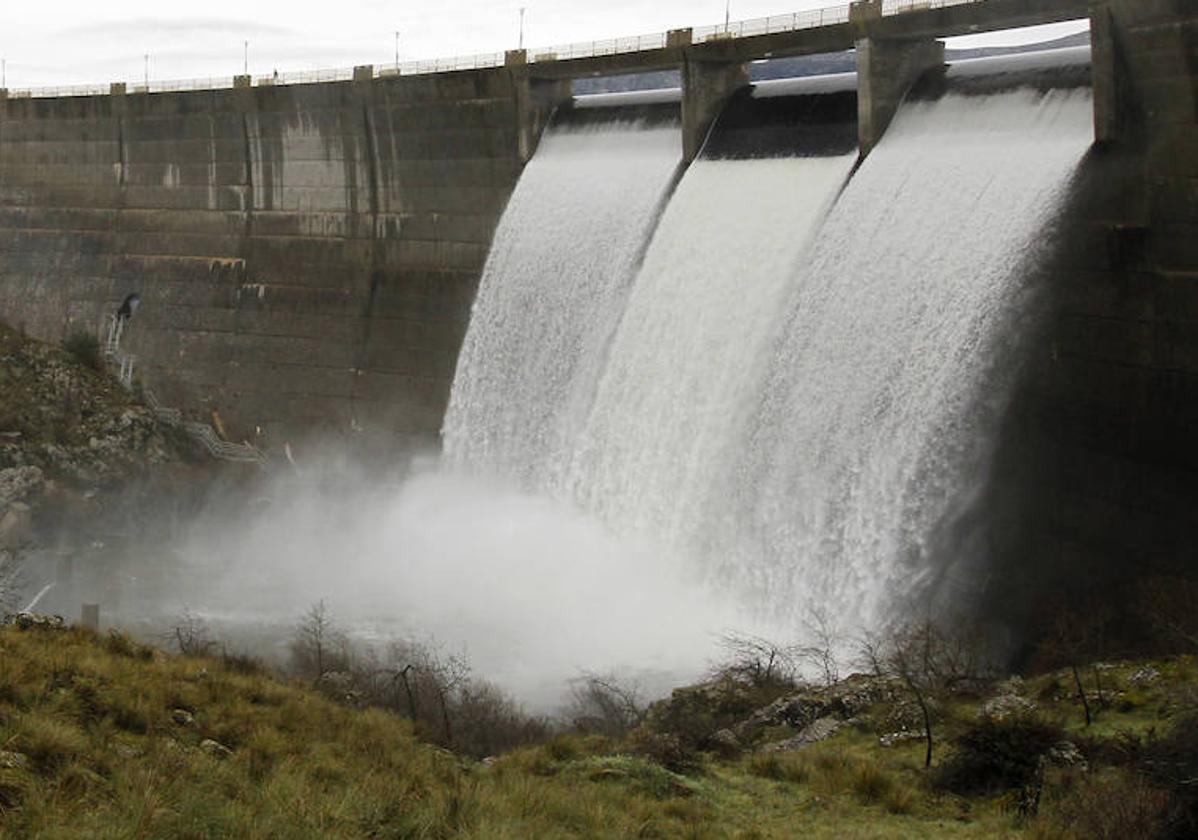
845 341
802 386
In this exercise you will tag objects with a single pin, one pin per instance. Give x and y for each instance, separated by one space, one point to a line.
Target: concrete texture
306 256
1095 485
886 70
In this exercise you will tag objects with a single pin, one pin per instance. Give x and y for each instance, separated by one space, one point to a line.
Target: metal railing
794 22
898 7
202 433
205 435
812 19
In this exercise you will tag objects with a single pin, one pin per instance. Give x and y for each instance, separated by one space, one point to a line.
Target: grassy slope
94 716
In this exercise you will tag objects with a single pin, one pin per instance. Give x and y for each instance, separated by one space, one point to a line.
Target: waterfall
552 294
662 443
882 397
799 386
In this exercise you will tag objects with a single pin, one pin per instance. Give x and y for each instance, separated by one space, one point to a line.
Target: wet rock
1066 754
893 739
725 744
813 733
13 760
846 699
35 621
214 748
1006 705
1144 676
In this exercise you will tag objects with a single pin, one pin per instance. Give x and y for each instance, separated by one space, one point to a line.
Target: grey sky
57 42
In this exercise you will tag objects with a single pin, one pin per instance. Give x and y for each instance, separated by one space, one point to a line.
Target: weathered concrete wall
1095 487
306 255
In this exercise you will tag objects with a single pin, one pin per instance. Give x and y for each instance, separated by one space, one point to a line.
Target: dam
685 312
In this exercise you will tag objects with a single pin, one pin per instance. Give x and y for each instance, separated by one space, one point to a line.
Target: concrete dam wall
306 255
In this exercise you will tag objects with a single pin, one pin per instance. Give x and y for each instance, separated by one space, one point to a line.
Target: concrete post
535 101
364 73
242 81
886 70
1105 78
677 38
514 58
706 86
3 94
116 89
90 616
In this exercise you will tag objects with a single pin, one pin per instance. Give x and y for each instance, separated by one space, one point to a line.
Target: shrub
1111 806
780 767
664 749
85 347
993 755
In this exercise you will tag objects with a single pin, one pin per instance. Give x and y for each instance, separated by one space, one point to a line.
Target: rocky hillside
71 439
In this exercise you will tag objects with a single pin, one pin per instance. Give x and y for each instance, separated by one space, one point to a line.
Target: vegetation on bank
102 737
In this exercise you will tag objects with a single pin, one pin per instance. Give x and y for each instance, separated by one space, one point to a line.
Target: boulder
846 699
13 760
215 748
35 621
1144 676
19 484
182 717
818 730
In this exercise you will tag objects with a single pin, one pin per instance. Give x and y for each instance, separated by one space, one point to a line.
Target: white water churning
552 294
798 398
884 396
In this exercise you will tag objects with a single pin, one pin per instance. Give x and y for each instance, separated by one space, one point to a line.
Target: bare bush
319 646
930 660
190 635
604 704
819 652
756 661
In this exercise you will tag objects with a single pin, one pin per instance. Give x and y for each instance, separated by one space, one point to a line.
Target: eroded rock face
35 621
846 699
20 484
813 733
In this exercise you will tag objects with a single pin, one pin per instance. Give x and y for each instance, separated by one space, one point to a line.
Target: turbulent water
884 392
798 391
552 294
666 431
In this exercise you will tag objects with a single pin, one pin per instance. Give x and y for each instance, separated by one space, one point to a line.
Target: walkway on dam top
833 29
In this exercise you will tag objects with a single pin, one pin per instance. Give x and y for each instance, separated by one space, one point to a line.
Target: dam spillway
552 294
308 255
800 391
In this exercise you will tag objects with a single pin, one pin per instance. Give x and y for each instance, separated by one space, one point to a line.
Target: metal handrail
812 19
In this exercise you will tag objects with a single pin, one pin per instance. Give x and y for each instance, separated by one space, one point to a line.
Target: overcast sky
56 42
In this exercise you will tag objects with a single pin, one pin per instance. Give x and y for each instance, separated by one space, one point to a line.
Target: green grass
108 756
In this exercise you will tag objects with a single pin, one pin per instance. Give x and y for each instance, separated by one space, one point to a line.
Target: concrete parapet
536 99
242 81
364 73
706 86
117 89
676 38
515 58
1104 74
886 70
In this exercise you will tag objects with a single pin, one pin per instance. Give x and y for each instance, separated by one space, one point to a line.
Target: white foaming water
667 428
883 396
533 591
556 281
